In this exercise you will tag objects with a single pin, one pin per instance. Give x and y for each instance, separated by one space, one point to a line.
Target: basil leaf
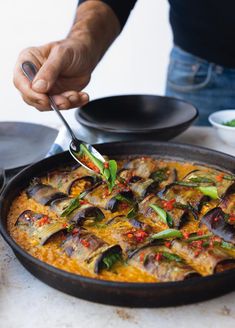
172 257
210 191
71 207
111 259
106 174
165 234
109 173
164 216
113 172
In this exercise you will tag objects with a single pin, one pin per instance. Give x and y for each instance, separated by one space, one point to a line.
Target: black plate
23 143
138 114
120 293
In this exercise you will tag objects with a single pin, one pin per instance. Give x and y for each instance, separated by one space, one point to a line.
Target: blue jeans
209 87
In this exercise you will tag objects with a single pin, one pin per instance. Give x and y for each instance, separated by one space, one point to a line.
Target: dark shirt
205 28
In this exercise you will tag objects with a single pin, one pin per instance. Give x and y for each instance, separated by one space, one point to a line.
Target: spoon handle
30 71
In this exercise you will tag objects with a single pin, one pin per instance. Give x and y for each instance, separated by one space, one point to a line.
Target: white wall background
136 62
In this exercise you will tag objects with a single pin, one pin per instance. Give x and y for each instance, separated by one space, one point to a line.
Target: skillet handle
2 179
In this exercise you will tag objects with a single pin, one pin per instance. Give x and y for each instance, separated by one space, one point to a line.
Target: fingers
34 93
50 70
21 82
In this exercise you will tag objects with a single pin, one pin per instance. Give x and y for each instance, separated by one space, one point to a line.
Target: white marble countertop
26 302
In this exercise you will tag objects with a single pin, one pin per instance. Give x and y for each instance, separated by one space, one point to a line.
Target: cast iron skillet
119 293
137 116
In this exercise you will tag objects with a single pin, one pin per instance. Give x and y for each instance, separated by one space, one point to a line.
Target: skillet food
146 220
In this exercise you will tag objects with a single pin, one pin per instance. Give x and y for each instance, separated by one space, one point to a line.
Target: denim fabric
208 86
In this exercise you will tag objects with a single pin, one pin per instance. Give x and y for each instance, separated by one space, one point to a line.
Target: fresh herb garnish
196 237
159 175
230 123
107 170
113 173
229 177
122 198
164 216
165 234
111 259
71 207
226 245
210 191
172 257
201 180
185 183
132 213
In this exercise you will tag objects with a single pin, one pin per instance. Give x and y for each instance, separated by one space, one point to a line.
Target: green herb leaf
172 257
122 198
159 175
132 213
113 172
71 207
210 191
195 237
186 184
111 259
95 161
164 216
229 177
165 234
201 180
226 245
109 174
230 123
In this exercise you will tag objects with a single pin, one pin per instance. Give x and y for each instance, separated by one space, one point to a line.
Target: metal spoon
30 71
2 179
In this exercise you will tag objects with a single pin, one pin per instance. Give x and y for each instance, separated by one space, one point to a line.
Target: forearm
96 26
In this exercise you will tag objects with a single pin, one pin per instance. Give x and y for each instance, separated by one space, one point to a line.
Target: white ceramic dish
226 133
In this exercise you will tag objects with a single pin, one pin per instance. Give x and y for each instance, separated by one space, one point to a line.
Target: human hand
64 70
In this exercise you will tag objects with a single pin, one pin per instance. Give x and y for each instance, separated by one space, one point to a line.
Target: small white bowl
226 133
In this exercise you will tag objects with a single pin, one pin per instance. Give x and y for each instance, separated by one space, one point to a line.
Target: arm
65 66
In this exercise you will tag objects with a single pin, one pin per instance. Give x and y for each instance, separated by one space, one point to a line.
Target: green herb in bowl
230 123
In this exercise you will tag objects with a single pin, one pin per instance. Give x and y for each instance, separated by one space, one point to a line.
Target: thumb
48 73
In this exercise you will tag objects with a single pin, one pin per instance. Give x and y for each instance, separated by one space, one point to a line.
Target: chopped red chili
168 244
219 177
168 204
44 220
158 257
85 243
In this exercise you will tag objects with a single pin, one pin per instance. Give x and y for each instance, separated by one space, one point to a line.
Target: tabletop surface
26 302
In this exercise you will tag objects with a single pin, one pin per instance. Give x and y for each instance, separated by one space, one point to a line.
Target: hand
64 70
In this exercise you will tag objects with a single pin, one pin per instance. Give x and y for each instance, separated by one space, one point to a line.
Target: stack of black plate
136 117
23 143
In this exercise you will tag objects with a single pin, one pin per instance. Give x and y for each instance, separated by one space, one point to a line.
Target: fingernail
84 97
40 85
62 106
73 98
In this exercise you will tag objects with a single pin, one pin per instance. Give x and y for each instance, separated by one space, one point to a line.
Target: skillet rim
95 281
